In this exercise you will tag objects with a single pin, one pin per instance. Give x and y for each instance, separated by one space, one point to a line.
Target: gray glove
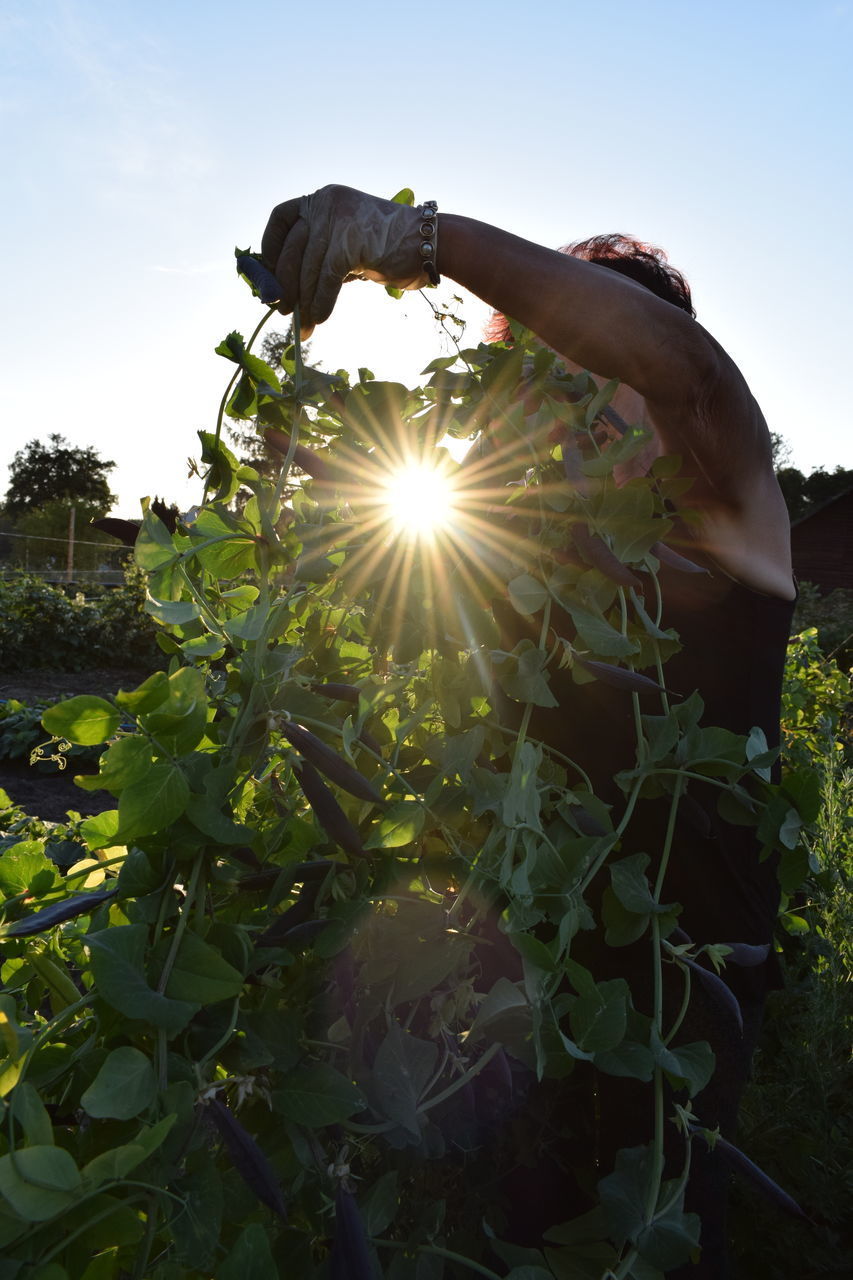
315 243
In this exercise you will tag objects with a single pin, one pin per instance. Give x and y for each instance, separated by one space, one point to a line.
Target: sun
419 500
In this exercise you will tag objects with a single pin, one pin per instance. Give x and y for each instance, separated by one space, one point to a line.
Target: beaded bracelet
429 244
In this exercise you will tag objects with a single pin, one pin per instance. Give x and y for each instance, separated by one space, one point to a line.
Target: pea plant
302 1002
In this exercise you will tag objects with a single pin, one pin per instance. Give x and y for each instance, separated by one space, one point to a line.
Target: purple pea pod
296 873
330 763
351 1257
263 282
39 921
340 692
620 677
327 811
667 556
597 553
305 459
747 954
719 991
247 1158
736 1160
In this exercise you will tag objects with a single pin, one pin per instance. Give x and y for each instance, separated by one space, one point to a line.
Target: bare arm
691 393
697 399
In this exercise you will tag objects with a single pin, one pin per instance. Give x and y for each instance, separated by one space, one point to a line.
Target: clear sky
140 142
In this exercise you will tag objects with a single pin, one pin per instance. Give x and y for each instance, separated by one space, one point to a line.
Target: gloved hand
315 243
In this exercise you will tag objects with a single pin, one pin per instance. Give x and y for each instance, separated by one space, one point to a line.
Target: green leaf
154 547
178 723
404 196
251 1258
29 1112
39 1182
154 802
598 1021
117 1162
24 865
504 1013
381 1204
401 1070
527 594
317 1095
624 1193
149 695
631 887
522 674
124 762
670 1239
117 956
534 951
622 927
597 634
689 1067
101 831
85 720
124 1086
222 476
197 1217
201 975
172 612
399 825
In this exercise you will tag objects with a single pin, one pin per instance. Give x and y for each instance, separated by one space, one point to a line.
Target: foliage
333 930
43 473
252 449
797 1117
832 616
41 626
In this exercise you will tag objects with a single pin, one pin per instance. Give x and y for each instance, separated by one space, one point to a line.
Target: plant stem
180 927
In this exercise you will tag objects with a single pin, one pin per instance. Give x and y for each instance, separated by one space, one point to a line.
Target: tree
58 472
806 493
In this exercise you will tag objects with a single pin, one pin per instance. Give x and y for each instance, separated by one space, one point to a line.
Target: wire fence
72 561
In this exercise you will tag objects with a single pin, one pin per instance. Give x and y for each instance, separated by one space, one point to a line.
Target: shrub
797 1117
42 626
832 615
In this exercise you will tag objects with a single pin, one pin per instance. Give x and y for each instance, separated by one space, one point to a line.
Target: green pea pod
330 763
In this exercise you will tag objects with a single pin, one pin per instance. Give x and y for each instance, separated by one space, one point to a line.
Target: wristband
428 248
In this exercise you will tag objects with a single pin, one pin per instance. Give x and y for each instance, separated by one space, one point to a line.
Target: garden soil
41 790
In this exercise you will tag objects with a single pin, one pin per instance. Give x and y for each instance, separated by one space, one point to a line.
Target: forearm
595 317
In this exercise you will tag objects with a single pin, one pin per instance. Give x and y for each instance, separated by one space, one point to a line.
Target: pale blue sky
141 141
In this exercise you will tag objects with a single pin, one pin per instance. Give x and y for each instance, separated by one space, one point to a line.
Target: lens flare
419 500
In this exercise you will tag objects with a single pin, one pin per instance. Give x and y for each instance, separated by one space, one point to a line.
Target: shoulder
716 426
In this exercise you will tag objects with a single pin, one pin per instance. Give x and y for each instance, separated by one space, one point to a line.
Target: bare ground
38 791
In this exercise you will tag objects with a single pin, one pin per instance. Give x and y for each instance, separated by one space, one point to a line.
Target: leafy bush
832 616
42 626
797 1117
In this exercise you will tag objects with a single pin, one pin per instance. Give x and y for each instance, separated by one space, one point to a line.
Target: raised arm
694 397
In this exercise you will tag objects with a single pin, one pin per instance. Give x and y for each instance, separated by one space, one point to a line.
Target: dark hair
644 263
